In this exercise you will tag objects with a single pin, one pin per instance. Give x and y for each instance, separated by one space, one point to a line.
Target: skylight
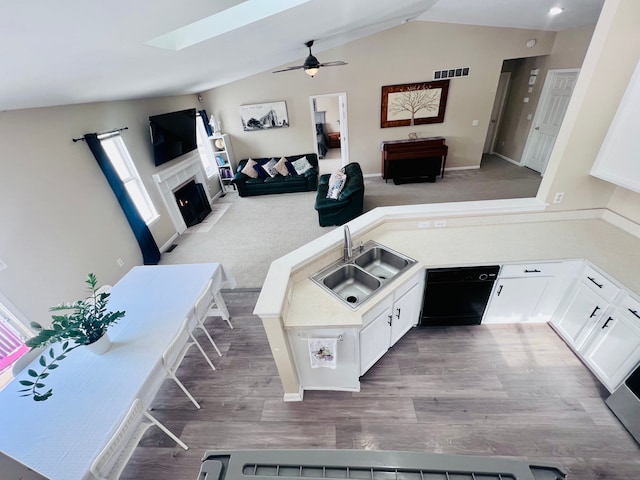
225 21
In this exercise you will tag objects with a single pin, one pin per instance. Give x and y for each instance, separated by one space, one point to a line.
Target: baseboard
504 157
451 169
216 197
169 242
294 397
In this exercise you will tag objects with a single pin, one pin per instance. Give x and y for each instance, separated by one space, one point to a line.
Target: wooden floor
485 390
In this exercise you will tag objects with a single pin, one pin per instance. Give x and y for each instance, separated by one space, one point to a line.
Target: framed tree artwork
414 103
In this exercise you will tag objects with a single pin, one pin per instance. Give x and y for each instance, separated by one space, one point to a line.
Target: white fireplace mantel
170 178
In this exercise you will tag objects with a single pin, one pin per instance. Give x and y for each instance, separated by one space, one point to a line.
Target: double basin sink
355 280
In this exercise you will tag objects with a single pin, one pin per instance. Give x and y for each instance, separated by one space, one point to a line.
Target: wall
569 49
60 219
405 54
613 54
514 128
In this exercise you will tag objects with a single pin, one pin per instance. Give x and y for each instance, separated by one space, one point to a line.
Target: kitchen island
474 233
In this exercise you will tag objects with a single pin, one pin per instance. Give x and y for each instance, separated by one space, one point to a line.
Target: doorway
554 99
496 112
330 133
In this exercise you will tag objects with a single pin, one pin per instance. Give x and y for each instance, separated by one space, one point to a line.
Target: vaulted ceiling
75 51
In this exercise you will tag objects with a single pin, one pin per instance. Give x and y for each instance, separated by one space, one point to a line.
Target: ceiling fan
311 64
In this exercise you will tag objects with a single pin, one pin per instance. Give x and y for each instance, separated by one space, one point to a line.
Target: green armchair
350 202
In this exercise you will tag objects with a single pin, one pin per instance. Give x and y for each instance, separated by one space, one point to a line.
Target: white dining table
60 437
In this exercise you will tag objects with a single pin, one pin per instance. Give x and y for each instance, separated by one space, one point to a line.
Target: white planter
102 345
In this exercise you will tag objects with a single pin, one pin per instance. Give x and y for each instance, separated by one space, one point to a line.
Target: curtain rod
81 139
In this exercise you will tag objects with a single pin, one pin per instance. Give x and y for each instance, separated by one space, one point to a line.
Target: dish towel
322 352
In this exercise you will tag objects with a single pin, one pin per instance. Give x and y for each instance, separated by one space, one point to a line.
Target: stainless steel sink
354 281
382 263
351 283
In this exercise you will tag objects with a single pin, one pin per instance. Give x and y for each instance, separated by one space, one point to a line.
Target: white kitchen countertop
477 240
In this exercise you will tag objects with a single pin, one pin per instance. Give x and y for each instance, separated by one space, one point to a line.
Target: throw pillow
337 181
259 168
249 170
270 168
301 165
291 168
281 167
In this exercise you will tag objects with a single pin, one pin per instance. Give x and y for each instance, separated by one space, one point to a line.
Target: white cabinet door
580 315
515 299
344 376
406 312
374 339
613 349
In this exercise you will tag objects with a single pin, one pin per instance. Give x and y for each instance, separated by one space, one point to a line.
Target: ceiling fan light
311 71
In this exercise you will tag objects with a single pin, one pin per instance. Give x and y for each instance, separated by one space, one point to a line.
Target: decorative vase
100 346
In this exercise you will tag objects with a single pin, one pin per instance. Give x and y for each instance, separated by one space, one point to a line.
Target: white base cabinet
390 320
375 335
528 292
344 376
602 325
580 316
613 349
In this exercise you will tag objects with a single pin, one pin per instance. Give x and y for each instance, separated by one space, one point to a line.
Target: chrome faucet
348 245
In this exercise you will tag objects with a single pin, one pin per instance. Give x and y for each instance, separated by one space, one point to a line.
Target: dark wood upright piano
414 160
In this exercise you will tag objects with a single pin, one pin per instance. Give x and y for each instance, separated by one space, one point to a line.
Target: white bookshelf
225 160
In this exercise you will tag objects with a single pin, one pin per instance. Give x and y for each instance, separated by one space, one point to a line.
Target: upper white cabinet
528 292
617 161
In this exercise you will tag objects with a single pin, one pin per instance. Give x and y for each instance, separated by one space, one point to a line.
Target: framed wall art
263 116
414 103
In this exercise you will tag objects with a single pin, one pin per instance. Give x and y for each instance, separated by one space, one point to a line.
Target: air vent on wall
451 73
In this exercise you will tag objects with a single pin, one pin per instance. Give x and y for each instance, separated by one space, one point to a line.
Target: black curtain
150 251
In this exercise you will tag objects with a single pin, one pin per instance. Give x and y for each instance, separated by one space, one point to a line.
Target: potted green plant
85 324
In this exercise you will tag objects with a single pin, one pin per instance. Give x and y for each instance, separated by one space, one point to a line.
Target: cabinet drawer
631 308
599 283
533 270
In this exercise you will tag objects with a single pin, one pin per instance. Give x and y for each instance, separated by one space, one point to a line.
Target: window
12 338
204 147
121 160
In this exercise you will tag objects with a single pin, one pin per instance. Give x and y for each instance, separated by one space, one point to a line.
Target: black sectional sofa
350 202
248 186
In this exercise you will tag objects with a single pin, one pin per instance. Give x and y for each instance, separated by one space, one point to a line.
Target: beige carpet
254 231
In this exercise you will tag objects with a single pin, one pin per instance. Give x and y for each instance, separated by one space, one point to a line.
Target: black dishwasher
457 296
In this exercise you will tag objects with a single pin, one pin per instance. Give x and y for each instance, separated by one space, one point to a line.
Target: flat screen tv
173 134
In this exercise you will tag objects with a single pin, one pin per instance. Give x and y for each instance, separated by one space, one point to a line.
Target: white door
496 112
554 100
